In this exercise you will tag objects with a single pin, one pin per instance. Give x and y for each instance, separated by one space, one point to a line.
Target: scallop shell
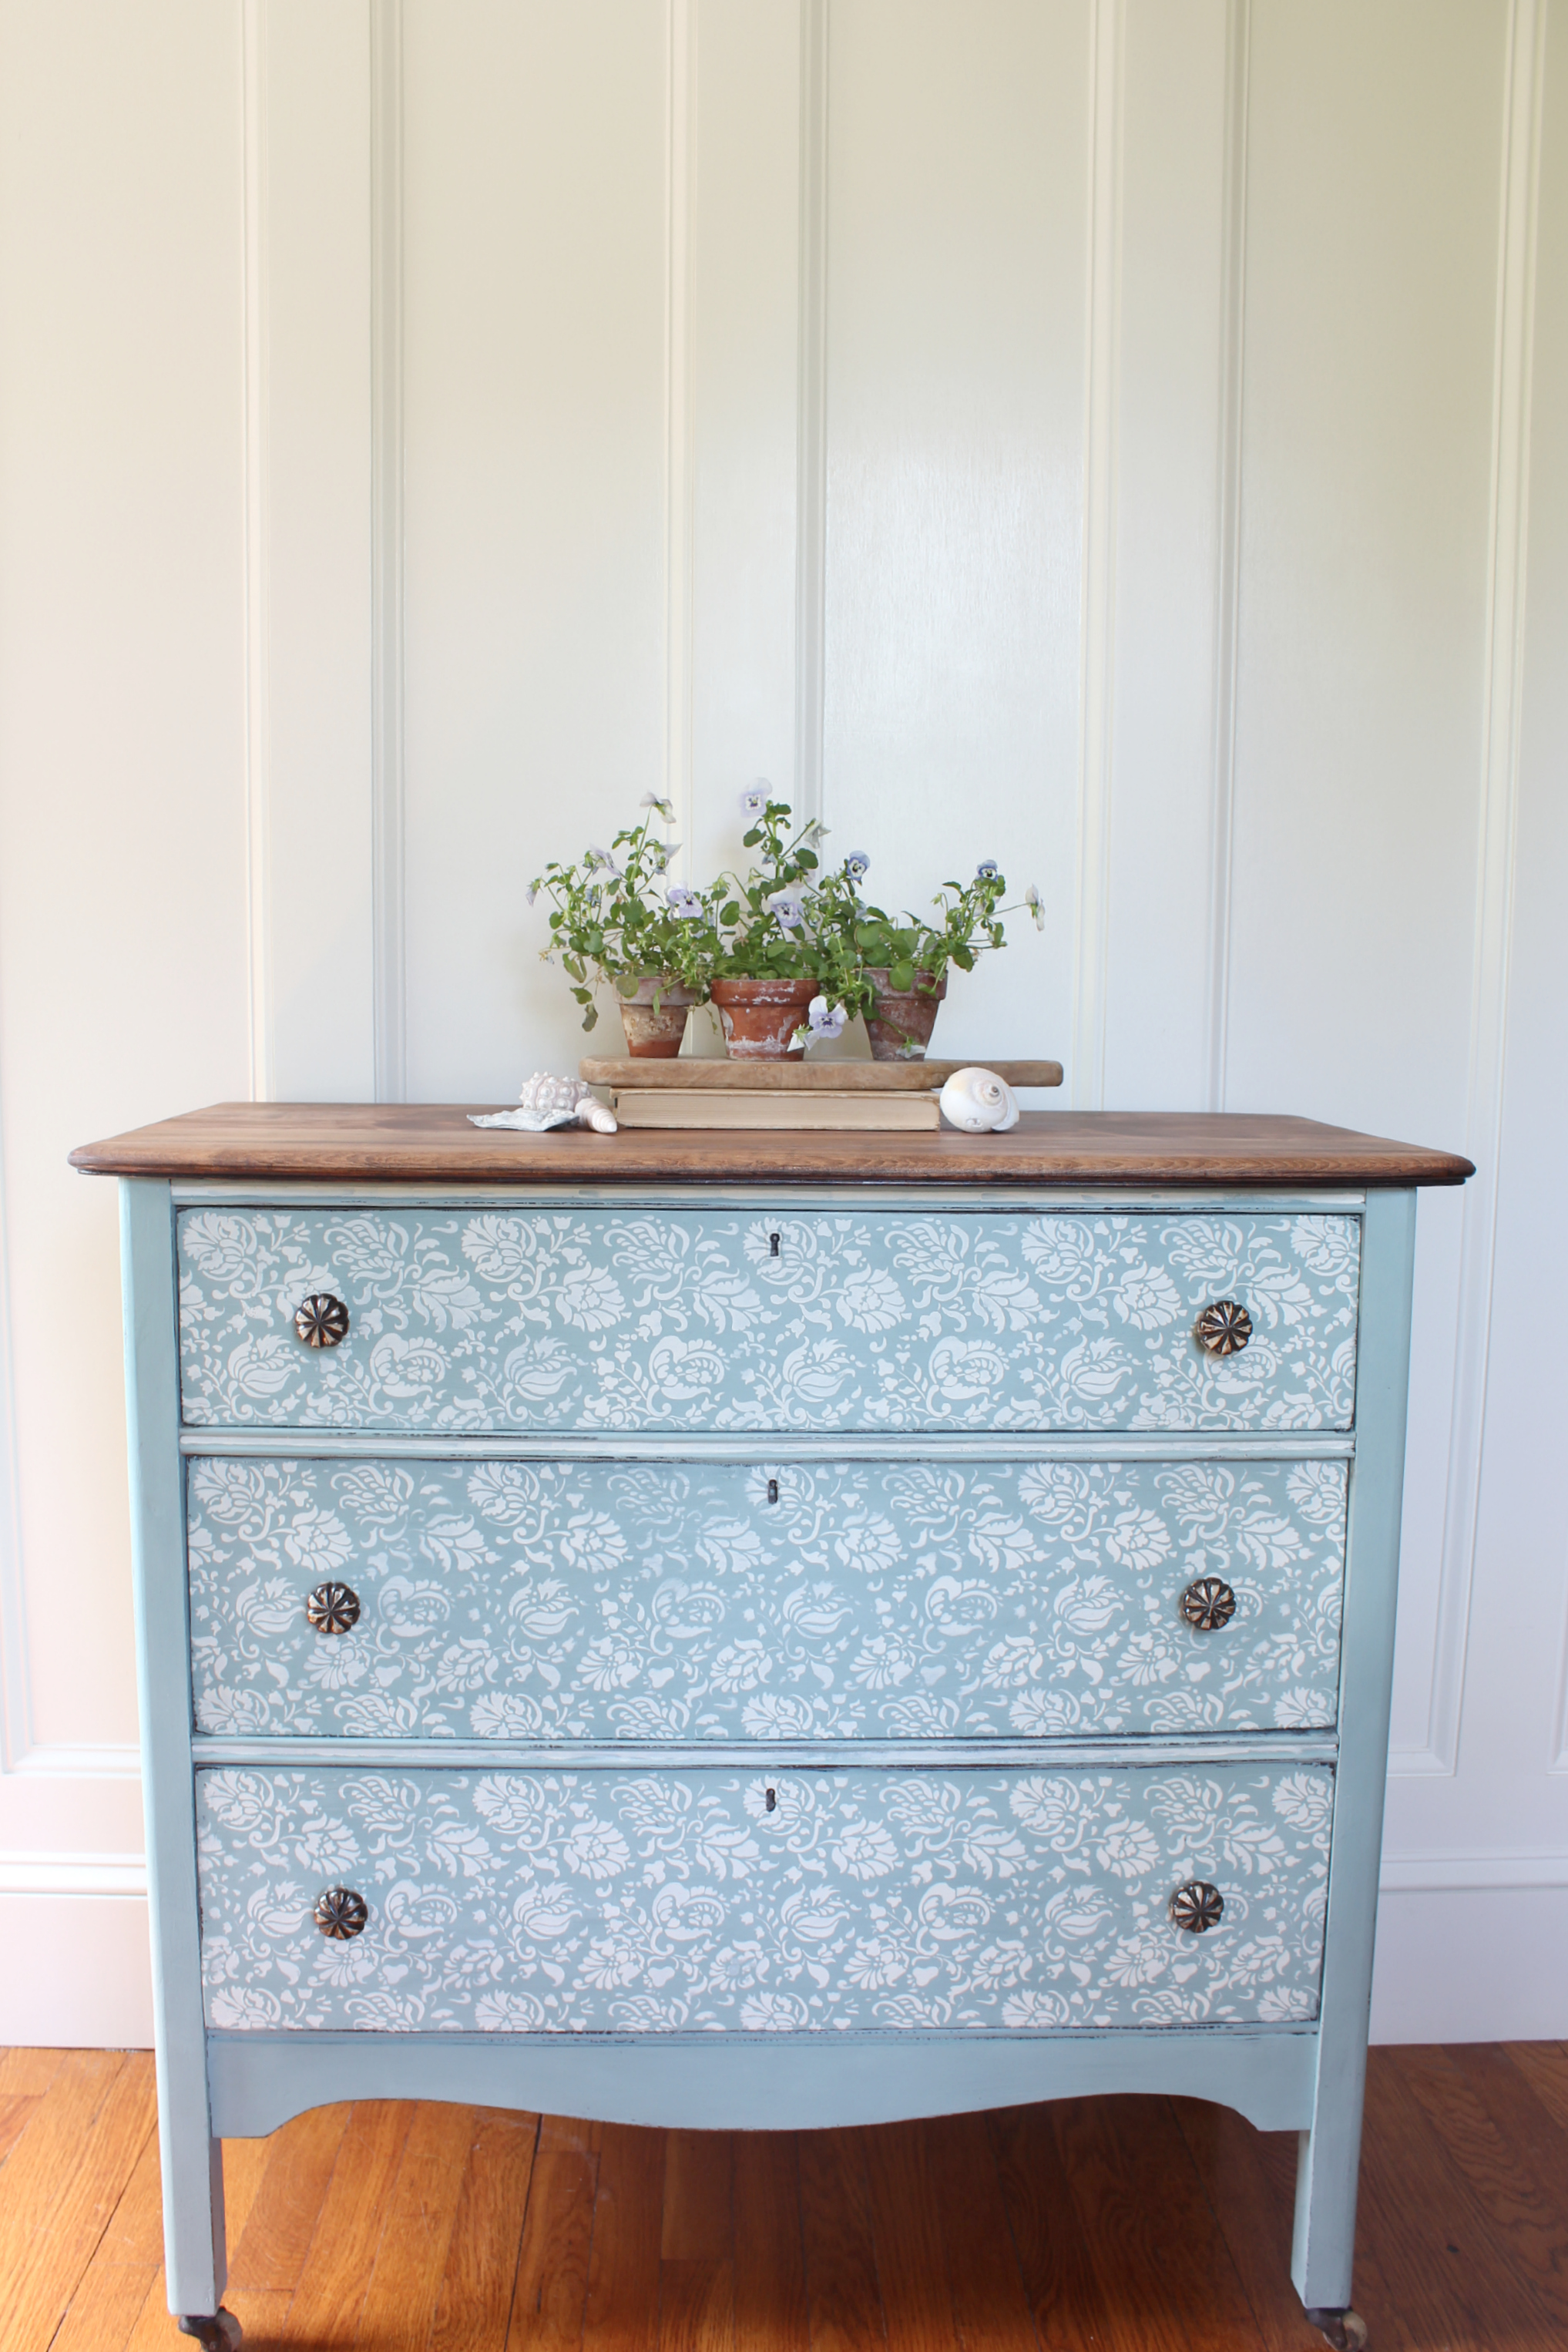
979 1102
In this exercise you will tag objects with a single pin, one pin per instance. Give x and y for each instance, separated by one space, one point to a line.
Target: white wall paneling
390 1009
1122 437
1106 107
1502 684
811 410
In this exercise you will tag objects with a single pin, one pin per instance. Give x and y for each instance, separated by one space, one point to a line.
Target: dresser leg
1326 2169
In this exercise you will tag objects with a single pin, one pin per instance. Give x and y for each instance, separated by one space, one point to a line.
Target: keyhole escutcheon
770 1797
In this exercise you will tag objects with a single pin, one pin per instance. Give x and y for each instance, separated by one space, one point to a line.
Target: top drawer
489 1320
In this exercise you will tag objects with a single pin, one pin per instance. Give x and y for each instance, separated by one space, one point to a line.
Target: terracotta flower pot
654 1033
900 1028
760 1017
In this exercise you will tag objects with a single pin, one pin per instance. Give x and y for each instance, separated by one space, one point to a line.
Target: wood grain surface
434 1143
1107 2225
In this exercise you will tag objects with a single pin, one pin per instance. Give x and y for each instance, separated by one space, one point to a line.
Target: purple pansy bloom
683 902
857 866
986 871
789 910
755 804
825 1020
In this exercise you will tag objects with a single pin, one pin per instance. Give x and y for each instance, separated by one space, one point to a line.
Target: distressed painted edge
190 2157
1327 2167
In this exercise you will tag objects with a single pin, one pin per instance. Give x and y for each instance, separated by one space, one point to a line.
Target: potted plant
614 916
781 974
903 959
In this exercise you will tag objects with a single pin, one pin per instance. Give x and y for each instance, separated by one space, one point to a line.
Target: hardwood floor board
1544 2066
245 2169
843 2298
106 2307
1166 2278
696 2305
337 2269
551 2290
698 2170
267 2254
27 2074
474 2300
1088 2226
64 2183
769 2251
16 2112
621 2313
907 2236
1418 2220
400 2301
1526 2220
264 2316
1248 2180
1059 2280
985 2283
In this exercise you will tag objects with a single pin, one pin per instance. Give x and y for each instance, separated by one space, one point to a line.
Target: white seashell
547 1101
979 1102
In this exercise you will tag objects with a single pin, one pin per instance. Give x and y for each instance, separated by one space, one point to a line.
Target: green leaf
900 979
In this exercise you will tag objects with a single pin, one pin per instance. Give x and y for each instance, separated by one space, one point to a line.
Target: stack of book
690 1092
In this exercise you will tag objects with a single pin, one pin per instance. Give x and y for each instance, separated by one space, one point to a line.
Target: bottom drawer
637 1902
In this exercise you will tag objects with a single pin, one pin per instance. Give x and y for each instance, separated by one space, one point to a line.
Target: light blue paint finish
778 1600
1328 2165
713 2082
190 2157
771 1901
649 1320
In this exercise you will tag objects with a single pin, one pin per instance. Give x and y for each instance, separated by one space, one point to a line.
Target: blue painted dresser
756 1631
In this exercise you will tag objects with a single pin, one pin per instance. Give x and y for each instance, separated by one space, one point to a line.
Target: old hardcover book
690 1074
674 1107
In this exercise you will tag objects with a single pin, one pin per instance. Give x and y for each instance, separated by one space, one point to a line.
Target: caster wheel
223 2333
1345 2330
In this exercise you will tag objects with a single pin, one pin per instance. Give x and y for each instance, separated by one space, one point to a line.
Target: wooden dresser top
432 1143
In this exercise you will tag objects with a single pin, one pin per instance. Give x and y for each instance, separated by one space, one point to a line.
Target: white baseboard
1477 1963
1472 1963
78 1975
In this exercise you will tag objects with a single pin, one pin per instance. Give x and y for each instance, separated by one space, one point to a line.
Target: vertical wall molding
811 415
1228 538
1499 798
1107 51
16 1701
253 361
389 932
679 174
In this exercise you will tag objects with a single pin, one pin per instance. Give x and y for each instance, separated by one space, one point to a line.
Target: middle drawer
654 1601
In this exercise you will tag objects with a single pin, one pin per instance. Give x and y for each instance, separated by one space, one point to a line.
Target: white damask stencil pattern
597 1600
600 1902
677 1319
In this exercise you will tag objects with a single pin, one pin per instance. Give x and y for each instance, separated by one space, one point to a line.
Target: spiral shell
979 1102
548 1101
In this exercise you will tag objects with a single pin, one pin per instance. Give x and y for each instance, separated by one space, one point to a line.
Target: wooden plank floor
1127 2225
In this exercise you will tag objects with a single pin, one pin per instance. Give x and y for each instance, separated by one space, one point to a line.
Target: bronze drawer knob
333 1608
1207 1605
1223 1329
321 1320
1196 1907
341 1914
